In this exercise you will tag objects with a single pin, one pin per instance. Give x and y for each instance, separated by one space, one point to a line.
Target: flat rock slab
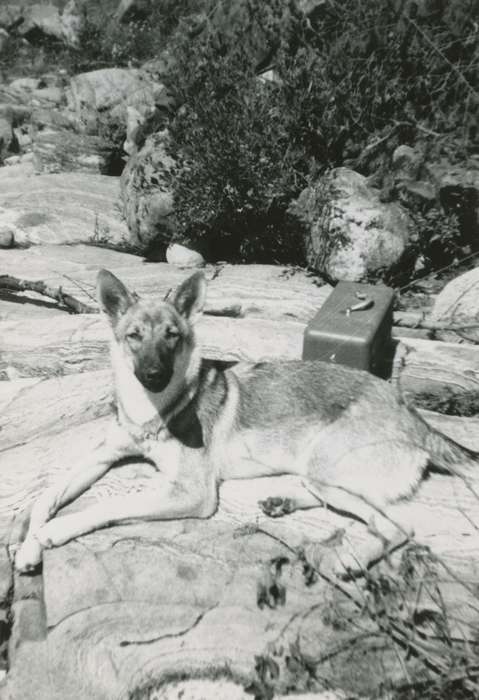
73 344
128 611
133 607
258 291
458 304
59 208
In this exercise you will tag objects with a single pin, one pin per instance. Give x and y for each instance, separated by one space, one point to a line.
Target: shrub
232 134
344 74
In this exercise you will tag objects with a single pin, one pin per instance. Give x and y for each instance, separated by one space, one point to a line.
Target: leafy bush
344 74
106 42
232 134
439 237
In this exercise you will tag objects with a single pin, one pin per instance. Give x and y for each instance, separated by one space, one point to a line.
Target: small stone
5 574
25 84
48 95
406 162
12 160
24 139
182 256
27 158
6 238
421 190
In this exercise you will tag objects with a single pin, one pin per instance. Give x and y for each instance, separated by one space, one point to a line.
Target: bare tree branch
73 305
76 306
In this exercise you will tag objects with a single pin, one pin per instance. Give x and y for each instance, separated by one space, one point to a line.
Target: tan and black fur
355 444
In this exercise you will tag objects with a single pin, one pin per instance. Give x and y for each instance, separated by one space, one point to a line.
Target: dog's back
326 422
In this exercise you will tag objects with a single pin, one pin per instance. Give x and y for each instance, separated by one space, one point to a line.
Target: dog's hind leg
387 534
115 446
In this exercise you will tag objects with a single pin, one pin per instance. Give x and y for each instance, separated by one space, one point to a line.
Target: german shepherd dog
354 443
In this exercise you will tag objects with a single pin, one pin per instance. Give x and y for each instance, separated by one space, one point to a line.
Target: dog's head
155 338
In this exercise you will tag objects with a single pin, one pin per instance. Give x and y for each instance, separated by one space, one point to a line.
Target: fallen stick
67 300
78 307
410 319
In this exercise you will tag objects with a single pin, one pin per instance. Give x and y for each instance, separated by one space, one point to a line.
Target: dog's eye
134 335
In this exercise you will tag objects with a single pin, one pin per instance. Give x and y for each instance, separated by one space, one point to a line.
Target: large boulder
62 150
458 304
10 14
72 22
41 20
147 193
350 233
110 90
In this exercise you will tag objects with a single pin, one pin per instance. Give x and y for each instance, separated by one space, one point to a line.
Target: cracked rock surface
172 609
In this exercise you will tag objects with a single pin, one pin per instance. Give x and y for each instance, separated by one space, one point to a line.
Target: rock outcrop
40 20
350 233
53 208
458 303
97 92
147 193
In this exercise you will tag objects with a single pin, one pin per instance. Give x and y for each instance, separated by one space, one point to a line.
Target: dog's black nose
153 375
154 379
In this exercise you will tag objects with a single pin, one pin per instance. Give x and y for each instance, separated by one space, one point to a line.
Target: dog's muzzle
154 380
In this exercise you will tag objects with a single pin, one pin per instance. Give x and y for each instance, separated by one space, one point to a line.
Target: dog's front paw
29 556
276 506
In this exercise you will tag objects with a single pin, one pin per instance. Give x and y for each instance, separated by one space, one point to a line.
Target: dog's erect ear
190 296
113 297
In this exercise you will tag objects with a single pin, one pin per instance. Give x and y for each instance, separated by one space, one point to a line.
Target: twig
419 127
234 311
443 56
418 280
81 287
412 320
373 147
18 285
78 307
393 629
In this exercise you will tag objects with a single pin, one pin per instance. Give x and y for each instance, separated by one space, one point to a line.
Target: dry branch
76 306
411 319
15 284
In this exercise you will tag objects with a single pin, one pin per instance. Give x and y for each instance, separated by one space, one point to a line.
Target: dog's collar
156 428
